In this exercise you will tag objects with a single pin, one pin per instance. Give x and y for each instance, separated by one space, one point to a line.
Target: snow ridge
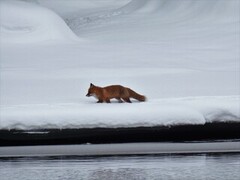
22 22
162 112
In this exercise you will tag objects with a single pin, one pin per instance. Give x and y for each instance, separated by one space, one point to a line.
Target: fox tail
135 95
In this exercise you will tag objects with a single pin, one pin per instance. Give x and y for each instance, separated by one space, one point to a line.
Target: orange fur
104 94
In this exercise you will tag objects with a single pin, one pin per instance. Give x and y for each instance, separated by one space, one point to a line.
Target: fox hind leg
127 100
119 100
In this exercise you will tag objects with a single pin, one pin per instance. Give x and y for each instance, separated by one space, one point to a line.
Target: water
200 166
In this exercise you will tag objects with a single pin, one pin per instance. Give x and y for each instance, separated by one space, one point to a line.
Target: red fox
104 94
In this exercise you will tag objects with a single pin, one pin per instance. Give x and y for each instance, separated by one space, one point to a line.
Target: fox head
91 91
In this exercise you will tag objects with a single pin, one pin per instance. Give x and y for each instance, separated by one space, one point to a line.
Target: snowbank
22 22
162 112
182 9
165 49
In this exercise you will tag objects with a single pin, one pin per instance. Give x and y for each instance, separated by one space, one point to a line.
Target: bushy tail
136 96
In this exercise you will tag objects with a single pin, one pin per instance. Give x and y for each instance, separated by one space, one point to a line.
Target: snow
166 112
24 23
183 55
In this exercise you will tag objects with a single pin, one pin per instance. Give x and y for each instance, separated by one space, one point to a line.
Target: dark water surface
219 166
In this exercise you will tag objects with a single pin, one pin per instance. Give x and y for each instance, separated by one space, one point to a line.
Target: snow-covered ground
196 110
182 54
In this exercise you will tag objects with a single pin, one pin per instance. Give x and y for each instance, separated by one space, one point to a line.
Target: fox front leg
107 101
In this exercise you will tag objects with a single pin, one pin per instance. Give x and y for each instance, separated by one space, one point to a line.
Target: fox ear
91 85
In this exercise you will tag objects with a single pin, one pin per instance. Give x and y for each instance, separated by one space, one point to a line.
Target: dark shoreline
181 133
